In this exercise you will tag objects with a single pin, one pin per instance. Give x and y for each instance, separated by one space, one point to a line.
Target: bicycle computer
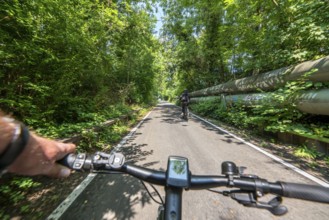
178 174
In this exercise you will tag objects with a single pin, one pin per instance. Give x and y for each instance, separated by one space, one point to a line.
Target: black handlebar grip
68 160
305 192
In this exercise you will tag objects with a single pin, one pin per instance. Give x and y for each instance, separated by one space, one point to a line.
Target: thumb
59 171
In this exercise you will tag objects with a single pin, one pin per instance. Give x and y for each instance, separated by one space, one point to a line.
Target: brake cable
152 197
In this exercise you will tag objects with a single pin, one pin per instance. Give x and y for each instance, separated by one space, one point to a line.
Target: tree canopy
216 41
62 58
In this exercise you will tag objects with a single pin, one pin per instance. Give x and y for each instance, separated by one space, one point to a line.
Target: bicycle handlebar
305 192
250 183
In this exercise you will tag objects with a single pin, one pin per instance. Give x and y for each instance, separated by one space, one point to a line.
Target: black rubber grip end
306 192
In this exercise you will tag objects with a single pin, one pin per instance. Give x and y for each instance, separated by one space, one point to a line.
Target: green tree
63 58
217 41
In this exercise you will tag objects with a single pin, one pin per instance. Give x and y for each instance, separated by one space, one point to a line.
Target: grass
306 152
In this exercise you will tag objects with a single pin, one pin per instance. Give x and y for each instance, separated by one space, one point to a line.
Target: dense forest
211 42
66 63
63 59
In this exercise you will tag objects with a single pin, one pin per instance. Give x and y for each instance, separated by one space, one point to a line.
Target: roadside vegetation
276 114
207 43
69 65
37 197
65 67
250 38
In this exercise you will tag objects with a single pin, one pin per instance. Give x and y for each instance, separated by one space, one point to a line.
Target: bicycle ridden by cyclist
185 99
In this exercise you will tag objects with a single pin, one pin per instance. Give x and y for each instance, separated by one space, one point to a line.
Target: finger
64 149
59 171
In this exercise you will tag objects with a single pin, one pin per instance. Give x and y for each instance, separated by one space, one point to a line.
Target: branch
274 1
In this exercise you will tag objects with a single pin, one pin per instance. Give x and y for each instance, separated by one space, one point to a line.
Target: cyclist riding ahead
185 99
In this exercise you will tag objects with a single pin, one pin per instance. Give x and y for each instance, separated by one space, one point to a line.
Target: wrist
14 147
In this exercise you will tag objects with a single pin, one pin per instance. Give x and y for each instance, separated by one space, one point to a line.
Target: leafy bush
87 120
14 191
276 113
306 152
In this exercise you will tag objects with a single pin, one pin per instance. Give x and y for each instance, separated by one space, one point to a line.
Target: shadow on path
112 196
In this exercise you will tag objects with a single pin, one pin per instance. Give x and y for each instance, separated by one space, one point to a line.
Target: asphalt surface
164 133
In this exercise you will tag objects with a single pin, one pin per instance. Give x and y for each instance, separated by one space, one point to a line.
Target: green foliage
14 192
206 108
276 113
326 159
103 138
87 121
3 215
210 42
307 153
60 60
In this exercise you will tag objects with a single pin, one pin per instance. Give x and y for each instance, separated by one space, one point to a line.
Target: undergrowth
13 189
277 113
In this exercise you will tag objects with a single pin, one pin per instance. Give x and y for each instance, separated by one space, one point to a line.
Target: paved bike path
164 133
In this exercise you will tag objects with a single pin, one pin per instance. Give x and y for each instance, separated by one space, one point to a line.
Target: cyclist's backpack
184 98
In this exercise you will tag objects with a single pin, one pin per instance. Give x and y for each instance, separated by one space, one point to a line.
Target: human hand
39 158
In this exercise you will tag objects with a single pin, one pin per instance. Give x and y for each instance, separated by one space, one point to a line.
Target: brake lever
98 162
249 199
78 162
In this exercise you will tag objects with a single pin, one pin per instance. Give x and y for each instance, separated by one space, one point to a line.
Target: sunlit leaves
68 57
246 37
